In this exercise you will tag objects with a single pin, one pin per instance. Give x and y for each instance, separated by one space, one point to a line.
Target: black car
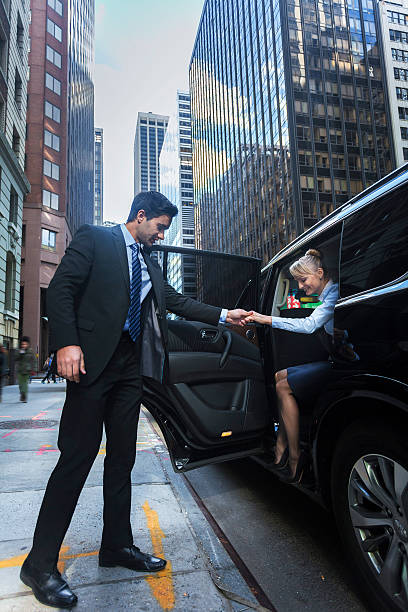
220 402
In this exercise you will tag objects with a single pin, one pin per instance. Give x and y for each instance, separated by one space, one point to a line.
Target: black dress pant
113 400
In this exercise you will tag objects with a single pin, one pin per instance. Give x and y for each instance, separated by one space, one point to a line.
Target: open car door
214 407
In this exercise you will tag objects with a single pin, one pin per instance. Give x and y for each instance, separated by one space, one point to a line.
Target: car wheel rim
378 504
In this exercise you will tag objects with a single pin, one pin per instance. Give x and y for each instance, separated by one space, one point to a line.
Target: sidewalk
166 521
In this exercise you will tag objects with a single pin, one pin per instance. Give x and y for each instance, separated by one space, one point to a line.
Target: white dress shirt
322 316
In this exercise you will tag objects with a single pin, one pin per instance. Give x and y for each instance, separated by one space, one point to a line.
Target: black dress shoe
132 558
48 587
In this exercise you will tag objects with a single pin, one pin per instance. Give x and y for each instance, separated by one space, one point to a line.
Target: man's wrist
223 315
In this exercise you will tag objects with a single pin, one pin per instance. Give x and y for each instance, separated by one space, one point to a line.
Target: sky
142 54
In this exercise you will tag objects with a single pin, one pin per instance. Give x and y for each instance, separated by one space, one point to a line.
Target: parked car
220 401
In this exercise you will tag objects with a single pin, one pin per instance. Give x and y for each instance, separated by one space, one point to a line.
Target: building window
3 52
53 112
50 199
398 36
16 141
53 83
400 74
395 17
13 213
404 133
18 90
399 55
48 239
402 93
10 282
405 152
56 5
51 140
54 57
54 30
403 112
20 35
51 169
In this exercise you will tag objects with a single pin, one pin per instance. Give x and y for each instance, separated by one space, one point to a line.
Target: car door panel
213 406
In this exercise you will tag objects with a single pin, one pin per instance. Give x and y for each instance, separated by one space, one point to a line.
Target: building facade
81 34
98 176
289 117
394 22
176 181
149 137
14 44
59 150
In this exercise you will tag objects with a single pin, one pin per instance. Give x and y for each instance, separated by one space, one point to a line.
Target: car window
375 245
214 278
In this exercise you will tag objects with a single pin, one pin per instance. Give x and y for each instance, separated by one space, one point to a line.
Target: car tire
369 483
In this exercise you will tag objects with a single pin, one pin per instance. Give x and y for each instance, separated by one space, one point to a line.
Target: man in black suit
107 313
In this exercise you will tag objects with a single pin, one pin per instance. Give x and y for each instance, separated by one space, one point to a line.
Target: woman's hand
256 317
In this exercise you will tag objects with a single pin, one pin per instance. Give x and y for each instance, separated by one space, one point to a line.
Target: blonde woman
295 383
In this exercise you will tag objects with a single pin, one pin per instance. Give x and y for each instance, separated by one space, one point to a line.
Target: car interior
284 348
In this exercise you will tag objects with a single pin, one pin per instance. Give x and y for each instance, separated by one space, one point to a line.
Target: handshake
243 317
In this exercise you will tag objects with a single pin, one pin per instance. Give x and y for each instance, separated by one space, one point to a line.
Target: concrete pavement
165 520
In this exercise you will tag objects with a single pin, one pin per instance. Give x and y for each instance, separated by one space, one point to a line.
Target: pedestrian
25 365
3 368
107 315
50 370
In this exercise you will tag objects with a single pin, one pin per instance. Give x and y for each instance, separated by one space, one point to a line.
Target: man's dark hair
25 339
154 203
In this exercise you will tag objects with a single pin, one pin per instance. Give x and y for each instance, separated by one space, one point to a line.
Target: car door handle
228 341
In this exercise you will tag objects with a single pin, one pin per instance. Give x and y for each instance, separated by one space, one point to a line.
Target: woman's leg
281 440
289 419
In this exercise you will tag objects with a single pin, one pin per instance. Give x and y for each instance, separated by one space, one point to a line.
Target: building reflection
289 118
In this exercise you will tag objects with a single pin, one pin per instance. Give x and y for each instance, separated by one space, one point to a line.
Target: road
287 541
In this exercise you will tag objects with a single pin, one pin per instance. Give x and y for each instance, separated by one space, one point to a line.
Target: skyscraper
13 182
98 209
81 31
289 117
150 130
176 180
394 22
59 149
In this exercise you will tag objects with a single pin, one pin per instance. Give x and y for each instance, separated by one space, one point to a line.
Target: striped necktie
135 290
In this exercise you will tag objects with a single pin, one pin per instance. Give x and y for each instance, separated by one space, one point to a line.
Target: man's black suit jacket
88 301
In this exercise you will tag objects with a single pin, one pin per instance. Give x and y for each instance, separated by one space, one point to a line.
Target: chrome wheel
378 504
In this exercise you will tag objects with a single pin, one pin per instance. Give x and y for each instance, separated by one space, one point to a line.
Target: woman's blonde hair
308 264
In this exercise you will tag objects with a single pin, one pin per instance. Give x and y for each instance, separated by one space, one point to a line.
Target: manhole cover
27 424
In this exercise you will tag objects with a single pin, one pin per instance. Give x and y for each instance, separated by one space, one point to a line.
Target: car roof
388 183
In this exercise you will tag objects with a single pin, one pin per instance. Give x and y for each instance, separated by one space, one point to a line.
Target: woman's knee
282 387
281 375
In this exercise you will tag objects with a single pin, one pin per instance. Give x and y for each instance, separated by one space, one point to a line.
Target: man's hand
70 362
256 317
237 316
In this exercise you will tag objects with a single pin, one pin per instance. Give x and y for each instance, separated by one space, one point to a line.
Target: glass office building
80 201
149 137
289 117
176 180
